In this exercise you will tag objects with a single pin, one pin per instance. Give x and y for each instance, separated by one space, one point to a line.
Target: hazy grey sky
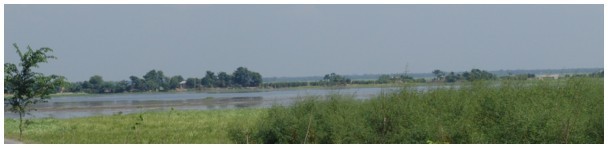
117 41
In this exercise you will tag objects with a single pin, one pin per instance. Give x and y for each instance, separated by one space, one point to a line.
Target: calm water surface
82 106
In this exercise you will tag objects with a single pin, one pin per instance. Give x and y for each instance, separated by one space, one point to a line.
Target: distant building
551 76
182 84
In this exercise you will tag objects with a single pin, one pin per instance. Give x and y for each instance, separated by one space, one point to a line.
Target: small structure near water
548 76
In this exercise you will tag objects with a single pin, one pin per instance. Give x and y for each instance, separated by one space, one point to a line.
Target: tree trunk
20 125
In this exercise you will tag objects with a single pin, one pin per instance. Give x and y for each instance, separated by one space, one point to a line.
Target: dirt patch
11 141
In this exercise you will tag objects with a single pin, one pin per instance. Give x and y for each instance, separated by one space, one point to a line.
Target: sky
118 41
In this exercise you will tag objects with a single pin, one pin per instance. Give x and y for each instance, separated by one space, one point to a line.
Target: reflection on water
82 106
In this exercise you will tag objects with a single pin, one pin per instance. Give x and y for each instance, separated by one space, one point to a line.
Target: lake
93 105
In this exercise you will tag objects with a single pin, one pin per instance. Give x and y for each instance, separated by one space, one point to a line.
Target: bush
478 112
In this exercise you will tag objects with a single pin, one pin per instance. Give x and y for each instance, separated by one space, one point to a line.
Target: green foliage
473 75
156 80
334 79
245 78
477 74
224 80
193 83
174 81
451 78
477 112
209 80
28 87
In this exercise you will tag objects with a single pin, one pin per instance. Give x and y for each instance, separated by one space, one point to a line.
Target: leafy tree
28 87
438 74
257 79
244 78
192 82
452 77
174 81
122 86
107 87
209 80
137 84
224 80
477 74
96 82
60 83
156 80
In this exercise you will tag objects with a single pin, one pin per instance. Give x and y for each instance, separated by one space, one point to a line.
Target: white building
551 76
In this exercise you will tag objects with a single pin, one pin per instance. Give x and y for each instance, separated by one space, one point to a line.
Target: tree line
473 75
157 81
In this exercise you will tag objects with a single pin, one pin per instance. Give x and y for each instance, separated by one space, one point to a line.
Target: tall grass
480 112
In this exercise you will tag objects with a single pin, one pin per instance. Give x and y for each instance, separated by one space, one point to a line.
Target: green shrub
560 111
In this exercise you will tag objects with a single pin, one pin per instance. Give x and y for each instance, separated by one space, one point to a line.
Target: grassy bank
156 127
569 111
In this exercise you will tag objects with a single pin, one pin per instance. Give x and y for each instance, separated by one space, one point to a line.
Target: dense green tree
156 80
60 83
122 86
452 77
244 78
137 84
257 79
209 80
224 80
96 82
107 87
174 81
28 87
477 74
192 82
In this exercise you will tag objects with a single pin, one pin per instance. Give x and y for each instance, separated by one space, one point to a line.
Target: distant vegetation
429 75
156 81
473 75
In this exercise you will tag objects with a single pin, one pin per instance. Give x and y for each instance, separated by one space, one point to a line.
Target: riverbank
513 112
260 89
154 127
247 89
